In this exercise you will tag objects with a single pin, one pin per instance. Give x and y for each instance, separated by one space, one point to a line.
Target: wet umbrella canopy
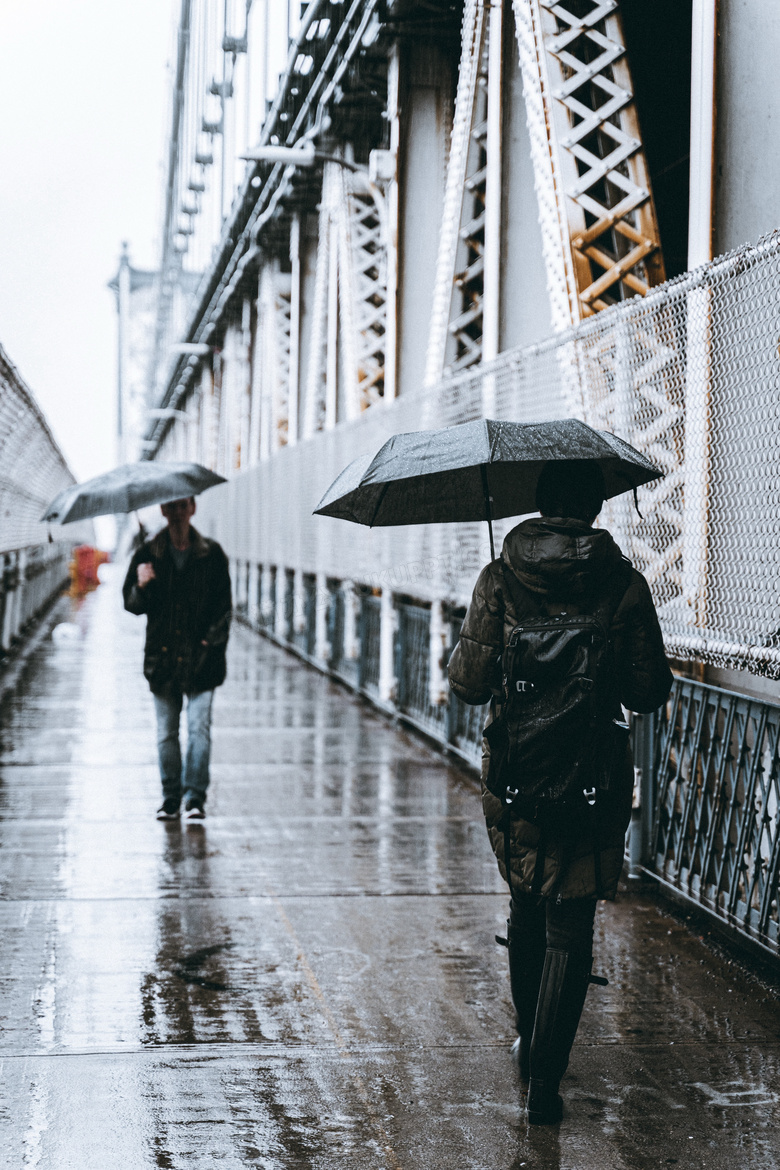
480 470
131 486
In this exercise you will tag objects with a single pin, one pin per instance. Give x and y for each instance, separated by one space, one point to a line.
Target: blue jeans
194 780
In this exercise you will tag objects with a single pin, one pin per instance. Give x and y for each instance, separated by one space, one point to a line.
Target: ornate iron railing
412 669
369 642
714 794
29 578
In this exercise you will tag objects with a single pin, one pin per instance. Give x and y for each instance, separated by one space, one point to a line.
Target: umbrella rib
379 502
494 442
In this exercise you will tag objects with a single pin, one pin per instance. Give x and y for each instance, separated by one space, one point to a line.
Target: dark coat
562 562
183 609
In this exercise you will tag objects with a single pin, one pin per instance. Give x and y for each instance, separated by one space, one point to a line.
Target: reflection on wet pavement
309 979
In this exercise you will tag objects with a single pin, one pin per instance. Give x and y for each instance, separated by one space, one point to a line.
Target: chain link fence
689 375
32 470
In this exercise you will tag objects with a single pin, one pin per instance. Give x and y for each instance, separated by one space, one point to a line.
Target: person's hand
203 642
145 573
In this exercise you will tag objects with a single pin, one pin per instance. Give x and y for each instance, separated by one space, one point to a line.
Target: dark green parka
563 562
184 608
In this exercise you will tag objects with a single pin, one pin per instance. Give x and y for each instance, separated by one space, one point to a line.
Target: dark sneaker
169 809
194 810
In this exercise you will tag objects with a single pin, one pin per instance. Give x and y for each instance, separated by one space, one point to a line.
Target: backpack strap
614 593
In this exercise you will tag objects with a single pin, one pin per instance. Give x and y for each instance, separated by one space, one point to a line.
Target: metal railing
369 631
412 670
33 559
710 761
29 578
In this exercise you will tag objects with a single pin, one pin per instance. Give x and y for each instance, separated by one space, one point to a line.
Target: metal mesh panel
689 375
369 642
335 622
33 563
310 613
32 469
412 668
266 596
716 829
289 605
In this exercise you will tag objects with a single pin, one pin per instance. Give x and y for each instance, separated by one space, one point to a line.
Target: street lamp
381 163
191 348
295 156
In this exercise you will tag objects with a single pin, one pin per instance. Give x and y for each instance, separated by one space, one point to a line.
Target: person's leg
196 764
562 992
168 709
527 938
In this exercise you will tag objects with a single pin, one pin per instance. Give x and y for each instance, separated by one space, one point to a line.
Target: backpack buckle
510 795
522 686
590 795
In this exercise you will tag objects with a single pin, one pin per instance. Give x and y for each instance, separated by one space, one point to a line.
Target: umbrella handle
488 508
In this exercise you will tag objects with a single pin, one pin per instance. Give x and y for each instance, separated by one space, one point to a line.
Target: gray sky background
84 95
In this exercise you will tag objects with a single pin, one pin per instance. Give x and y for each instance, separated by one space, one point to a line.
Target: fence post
351 622
280 615
643 744
387 620
299 604
4 596
252 606
321 598
438 686
18 602
266 598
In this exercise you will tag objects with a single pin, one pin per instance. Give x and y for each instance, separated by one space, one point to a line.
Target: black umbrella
480 470
129 487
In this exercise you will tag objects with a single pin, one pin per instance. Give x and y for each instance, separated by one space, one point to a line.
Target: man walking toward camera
180 580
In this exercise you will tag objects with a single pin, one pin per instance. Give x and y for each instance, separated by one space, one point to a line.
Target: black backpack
557 735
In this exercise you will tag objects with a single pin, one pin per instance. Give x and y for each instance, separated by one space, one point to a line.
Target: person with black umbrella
181 581
561 631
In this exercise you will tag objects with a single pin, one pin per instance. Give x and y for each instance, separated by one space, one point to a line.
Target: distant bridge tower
136 303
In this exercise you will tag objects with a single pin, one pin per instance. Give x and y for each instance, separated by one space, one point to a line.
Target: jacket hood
560 558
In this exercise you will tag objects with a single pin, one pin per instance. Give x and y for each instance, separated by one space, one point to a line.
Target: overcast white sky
84 100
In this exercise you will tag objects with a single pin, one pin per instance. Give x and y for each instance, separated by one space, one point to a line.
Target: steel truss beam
363 290
324 66
590 168
274 313
460 264
349 304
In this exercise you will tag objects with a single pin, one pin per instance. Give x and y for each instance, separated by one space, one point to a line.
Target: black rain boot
526 963
561 1000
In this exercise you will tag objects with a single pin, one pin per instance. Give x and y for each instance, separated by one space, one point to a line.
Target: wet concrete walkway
309 980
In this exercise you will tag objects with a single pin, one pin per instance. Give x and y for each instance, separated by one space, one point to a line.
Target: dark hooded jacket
562 562
184 608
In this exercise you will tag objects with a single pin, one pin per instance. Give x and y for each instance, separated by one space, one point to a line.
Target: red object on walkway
84 568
